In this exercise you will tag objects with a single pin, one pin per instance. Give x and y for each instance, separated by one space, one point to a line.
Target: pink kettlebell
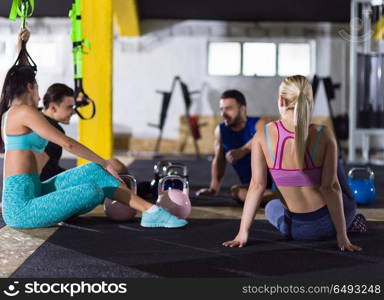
117 211
175 201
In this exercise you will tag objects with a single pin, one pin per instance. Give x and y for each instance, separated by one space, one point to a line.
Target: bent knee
239 192
235 190
93 170
93 166
272 206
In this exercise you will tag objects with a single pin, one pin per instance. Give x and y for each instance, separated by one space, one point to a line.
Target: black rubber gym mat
96 247
68 163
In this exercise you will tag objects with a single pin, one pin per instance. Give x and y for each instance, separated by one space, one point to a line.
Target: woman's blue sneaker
161 218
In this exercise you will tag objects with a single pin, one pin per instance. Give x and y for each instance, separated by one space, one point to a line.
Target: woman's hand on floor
345 245
206 192
239 241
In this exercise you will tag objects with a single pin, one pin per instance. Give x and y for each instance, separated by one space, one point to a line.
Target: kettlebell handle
368 170
133 181
176 166
159 167
172 177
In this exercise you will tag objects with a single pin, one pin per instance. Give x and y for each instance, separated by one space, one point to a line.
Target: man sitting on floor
233 139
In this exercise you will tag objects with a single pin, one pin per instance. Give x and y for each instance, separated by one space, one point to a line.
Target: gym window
262 59
224 59
259 59
294 59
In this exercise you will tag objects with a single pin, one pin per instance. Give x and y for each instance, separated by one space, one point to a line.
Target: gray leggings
316 225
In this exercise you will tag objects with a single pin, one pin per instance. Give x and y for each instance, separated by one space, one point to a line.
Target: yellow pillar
126 17
97 28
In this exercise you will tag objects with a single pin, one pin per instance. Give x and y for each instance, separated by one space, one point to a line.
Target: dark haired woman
28 202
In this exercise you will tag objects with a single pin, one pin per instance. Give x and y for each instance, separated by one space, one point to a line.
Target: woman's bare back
19 161
297 199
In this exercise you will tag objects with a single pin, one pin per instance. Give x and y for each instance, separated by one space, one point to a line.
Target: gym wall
168 48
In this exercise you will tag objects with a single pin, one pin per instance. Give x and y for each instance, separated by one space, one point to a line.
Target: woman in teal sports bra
302 159
27 202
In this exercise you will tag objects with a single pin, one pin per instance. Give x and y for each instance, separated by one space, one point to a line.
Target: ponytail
301 118
297 91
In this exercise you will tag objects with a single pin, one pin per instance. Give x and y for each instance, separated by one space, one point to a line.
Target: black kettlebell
158 173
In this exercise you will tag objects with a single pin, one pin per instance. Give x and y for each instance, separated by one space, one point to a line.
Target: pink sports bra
310 176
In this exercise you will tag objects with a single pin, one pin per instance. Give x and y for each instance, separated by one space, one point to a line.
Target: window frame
277 42
312 55
241 58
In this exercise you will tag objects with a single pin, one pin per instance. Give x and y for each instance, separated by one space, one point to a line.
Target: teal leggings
30 203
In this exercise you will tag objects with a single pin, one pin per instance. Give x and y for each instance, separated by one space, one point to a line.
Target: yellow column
97 28
126 17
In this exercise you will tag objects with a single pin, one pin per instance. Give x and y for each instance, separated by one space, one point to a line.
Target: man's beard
235 122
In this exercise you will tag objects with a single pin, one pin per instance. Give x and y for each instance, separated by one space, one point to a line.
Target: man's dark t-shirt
54 152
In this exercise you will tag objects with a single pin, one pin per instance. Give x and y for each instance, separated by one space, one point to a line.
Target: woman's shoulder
26 107
318 127
268 128
270 124
322 130
25 110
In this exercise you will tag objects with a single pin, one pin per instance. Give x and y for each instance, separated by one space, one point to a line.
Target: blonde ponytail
301 118
297 91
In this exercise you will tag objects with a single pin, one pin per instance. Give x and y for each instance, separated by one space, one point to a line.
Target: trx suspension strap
78 43
23 9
